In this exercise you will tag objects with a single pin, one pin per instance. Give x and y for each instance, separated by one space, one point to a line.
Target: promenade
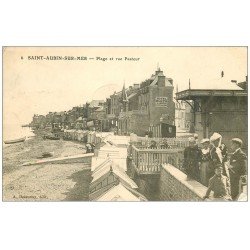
122 168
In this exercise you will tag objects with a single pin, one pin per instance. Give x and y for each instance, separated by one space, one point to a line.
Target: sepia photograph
125 124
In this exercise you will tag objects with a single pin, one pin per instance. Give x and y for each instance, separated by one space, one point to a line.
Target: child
220 185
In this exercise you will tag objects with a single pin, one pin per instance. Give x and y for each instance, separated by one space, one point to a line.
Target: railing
75 135
175 143
85 136
149 161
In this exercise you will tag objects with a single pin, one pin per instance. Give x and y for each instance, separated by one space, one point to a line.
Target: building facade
183 116
222 110
147 105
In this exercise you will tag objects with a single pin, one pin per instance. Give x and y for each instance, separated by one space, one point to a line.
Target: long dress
216 161
191 162
204 168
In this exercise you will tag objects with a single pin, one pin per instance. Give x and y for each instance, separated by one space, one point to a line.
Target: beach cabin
120 192
118 155
106 175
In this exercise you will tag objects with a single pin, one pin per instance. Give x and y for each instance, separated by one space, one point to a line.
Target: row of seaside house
79 117
148 107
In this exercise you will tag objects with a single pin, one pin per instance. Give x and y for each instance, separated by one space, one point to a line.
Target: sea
16 131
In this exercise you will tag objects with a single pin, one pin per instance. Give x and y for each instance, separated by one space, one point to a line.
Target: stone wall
174 186
147 184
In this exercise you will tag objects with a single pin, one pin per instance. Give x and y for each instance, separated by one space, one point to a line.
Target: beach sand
46 182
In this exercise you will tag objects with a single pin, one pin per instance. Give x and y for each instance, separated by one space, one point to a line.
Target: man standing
220 185
215 154
191 159
238 166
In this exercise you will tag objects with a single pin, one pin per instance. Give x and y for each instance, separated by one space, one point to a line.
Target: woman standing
205 161
191 160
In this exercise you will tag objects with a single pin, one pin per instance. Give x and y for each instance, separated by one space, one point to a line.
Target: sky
39 86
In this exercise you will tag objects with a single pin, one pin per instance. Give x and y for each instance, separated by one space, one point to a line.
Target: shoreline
47 182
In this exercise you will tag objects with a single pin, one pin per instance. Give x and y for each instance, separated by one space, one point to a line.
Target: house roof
106 167
120 193
191 94
80 119
95 103
167 82
132 95
214 87
219 83
99 109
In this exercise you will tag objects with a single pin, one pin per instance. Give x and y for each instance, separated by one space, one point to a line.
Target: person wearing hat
191 159
196 137
215 154
88 148
205 160
237 167
164 144
220 185
153 145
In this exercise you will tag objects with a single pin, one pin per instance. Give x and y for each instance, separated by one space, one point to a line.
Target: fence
75 135
149 161
97 137
174 143
84 136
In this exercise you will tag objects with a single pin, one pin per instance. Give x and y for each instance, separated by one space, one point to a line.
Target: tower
124 99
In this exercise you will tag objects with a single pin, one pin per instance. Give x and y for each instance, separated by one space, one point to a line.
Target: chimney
161 80
158 72
222 73
161 77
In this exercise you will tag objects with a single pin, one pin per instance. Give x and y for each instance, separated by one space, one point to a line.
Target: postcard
125 124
